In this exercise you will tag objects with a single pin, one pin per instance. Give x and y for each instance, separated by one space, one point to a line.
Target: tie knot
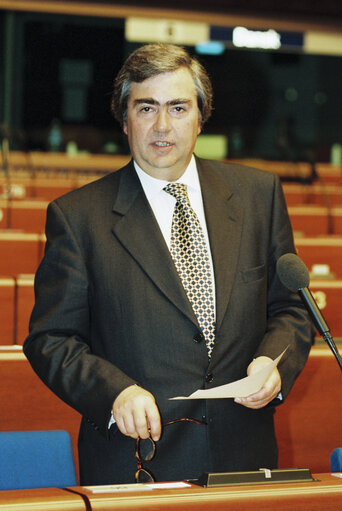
178 191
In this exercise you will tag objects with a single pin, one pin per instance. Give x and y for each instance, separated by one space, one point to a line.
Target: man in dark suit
114 331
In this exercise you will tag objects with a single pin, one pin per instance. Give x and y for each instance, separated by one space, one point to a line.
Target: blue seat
36 459
336 460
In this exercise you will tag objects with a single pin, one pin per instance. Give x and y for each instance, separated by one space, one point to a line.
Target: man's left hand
268 391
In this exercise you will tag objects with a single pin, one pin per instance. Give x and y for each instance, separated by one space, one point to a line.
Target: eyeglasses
145 450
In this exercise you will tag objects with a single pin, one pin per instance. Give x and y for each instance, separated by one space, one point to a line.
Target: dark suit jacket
111 311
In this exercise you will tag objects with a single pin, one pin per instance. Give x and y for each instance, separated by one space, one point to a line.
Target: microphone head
292 272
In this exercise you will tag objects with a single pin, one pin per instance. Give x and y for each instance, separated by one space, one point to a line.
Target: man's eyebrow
151 101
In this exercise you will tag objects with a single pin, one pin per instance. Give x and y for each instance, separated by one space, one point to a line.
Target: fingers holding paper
268 391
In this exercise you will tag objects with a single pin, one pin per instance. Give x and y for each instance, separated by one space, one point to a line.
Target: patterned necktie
190 254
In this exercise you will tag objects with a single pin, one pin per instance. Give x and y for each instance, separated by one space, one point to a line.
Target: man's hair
151 60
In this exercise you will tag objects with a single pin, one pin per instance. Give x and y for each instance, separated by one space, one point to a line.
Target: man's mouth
162 144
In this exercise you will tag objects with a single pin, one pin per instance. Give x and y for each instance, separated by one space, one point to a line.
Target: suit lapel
224 218
137 230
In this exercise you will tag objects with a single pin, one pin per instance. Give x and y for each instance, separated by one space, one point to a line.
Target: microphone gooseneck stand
319 322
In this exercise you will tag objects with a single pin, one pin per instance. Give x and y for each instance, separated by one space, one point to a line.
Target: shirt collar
153 186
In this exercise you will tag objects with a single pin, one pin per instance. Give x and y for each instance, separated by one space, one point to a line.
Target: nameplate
262 476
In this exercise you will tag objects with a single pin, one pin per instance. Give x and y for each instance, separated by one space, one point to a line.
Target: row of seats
313 194
17 299
49 187
20 254
309 220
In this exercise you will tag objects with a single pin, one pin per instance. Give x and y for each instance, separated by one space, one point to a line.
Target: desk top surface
46 499
325 488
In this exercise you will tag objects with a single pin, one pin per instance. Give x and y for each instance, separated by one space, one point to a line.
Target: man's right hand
136 413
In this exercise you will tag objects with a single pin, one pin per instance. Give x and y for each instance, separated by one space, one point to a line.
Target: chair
36 459
336 460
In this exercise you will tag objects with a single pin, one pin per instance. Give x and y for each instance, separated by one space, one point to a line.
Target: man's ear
199 129
124 127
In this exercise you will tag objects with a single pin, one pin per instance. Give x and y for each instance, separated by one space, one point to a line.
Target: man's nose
162 122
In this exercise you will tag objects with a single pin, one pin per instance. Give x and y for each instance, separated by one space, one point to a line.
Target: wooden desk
296 194
24 306
315 220
20 252
28 405
45 499
321 250
308 424
7 310
24 215
321 495
328 295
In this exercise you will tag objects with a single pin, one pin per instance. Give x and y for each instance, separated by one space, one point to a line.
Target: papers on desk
113 488
239 388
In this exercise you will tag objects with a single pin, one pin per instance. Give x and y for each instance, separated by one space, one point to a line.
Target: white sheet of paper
113 488
165 486
239 388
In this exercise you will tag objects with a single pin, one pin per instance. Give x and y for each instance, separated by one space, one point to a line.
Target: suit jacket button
199 337
209 378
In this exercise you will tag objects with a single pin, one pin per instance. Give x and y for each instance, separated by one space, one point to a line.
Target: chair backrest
36 459
336 460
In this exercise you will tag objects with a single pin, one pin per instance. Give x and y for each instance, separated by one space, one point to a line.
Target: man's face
163 123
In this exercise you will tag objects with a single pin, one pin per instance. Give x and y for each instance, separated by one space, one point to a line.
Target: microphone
294 275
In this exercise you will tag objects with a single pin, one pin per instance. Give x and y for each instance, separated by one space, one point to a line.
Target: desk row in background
313 194
21 252
26 215
17 300
315 220
323 493
50 187
308 425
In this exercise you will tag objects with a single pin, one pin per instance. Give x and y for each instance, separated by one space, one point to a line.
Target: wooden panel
325 493
45 188
310 220
315 220
328 295
37 163
28 216
7 311
322 494
321 251
308 424
24 306
52 499
4 219
323 195
23 215
28 404
20 252
256 14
